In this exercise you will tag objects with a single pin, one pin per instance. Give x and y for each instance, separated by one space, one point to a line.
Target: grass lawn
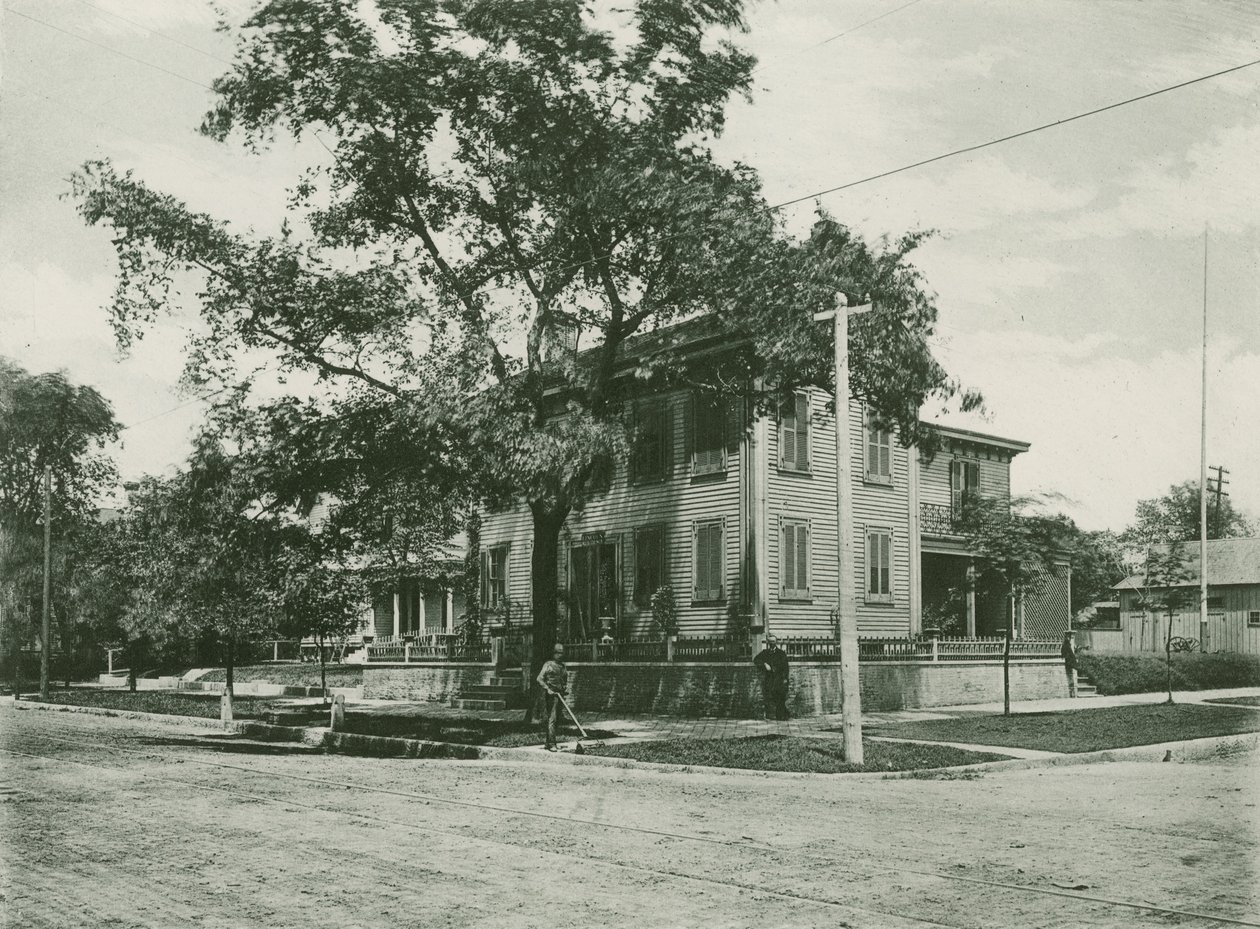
792 753
302 674
1084 730
1238 701
173 703
503 733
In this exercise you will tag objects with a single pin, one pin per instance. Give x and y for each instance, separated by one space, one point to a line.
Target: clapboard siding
812 496
674 503
1227 631
995 474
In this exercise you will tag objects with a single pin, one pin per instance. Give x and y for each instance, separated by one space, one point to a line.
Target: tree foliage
506 180
1174 517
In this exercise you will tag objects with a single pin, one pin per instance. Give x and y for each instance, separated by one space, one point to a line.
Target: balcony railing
938 519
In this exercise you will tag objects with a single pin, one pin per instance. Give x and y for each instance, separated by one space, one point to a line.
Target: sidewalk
646 728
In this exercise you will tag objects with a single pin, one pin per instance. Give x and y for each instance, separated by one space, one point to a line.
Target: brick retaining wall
734 690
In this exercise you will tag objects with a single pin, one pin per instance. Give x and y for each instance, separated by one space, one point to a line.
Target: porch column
449 610
397 614
423 624
971 599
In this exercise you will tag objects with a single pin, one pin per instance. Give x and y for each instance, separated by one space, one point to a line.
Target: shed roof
1229 561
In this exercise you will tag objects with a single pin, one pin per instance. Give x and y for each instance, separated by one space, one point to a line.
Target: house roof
1014 446
1229 561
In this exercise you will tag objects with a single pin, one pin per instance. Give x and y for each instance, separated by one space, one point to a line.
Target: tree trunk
1006 658
1168 655
543 570
323 667
229 657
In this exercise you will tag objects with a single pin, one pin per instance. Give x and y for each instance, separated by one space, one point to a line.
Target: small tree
1014 555
665 611
1165 575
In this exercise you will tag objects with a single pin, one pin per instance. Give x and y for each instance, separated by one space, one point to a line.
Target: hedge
1135 674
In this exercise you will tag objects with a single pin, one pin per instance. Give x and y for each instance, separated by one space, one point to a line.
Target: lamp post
850 689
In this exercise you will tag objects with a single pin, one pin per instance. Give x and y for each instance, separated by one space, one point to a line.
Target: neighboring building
736 511
1233 622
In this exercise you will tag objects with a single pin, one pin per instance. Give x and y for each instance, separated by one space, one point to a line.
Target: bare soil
121 823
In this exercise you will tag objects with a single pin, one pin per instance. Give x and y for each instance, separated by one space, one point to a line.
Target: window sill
877 479
796 472
720 601
708 477
795 598
876 600
648 480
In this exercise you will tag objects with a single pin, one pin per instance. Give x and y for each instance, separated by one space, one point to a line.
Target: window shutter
872 567
802 559
885 455
485 579
885 563
955 482
787 435
802 431
788 568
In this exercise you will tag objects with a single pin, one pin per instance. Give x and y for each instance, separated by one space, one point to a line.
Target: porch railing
448 648
938 519
919 649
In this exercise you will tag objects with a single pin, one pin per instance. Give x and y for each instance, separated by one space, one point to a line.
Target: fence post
275 649
225 706
337 719
669 647
496 649
935 647
406 653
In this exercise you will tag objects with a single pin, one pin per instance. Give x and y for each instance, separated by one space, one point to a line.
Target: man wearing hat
554 679
1069 660
772 662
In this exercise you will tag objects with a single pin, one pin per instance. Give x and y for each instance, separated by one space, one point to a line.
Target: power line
152 31
110 48
829 39
1017 135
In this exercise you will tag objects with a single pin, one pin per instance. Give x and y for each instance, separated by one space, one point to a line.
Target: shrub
665 611
1134 674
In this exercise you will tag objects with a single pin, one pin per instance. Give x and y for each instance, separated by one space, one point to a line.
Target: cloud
1107 431
1215 182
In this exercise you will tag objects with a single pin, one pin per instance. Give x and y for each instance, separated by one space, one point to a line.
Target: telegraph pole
1218 490
1203 468
850 689
45 642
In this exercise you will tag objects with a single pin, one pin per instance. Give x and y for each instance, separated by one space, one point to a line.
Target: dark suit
773 665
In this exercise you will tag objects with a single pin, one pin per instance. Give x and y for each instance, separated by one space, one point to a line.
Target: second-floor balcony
938 519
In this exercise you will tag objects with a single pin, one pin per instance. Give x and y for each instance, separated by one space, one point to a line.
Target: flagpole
1203 529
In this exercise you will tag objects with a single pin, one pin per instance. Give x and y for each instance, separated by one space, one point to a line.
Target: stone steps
503 692
471 703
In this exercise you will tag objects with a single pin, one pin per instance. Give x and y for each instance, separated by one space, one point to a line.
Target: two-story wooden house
736 512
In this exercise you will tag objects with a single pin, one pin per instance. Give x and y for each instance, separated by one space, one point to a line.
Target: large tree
506 178
1174 517
46 420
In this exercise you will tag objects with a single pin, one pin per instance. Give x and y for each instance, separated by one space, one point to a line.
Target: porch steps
503 692
1084 686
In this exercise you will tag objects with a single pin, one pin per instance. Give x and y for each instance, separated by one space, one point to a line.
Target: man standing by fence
772 662
1069 661
554 678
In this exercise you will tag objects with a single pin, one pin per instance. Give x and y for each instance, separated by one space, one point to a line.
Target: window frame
660 412
702 402
797 525
879 596
958 492
1253 618
869 430
708 594
795 466
640 597
488 602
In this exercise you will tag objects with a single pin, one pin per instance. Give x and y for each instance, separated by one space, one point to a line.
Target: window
649 564
878 452
1253 618
650 458
794 432
1216 603
879 566
708 435
708 560
494 577
964 481
794 558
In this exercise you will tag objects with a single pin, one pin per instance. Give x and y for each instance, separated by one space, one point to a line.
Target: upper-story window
649 460
794 432
878 451
708 434
494 577
964 481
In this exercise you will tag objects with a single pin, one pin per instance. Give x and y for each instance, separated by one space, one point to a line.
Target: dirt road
115 823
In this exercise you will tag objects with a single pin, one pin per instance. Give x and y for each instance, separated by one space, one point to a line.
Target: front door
592 589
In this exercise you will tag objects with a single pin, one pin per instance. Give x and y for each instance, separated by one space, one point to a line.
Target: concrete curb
353 744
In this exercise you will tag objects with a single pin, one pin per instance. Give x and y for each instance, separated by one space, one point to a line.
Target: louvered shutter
802 431
485 579
885 561
802 559
708 561
788 568
787 434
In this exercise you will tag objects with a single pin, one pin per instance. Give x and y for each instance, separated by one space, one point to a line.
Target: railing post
337 718
275 649
669 647
496 649
406 653
594 651
935 647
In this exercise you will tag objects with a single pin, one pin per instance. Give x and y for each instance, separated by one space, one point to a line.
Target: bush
1135 674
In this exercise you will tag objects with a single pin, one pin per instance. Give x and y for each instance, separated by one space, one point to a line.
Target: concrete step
469 703
490 691
514 682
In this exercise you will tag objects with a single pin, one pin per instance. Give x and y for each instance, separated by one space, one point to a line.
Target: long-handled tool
584 737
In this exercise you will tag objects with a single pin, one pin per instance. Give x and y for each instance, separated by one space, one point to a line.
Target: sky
1068 264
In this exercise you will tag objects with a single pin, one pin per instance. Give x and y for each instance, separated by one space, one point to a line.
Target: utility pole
45 642
850 689
1217 490
1203 469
